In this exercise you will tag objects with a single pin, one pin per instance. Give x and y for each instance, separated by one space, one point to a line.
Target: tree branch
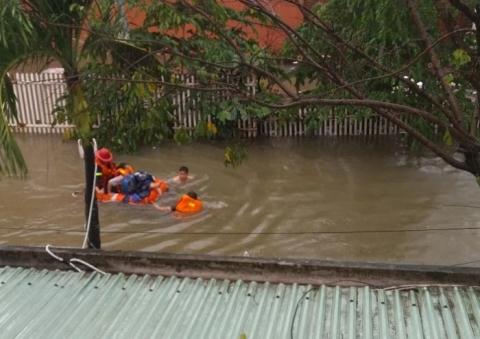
243 61
458 4
317 21
439 70
383 109
410 63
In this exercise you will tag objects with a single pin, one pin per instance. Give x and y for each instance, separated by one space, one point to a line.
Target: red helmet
104 155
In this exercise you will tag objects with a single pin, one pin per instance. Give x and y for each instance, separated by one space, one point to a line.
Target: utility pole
91 210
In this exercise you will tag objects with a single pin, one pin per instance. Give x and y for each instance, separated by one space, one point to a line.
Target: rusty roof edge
304 271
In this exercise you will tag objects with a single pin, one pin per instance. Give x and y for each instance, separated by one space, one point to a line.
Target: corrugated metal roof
63 304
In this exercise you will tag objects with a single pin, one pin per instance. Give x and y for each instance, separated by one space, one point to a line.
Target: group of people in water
122 183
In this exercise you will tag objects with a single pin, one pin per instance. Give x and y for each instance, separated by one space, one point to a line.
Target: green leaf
448 78
181 136
460 57
224 115
447 138
11 159
234 155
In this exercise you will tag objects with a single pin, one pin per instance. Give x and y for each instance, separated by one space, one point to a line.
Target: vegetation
58 30
416 63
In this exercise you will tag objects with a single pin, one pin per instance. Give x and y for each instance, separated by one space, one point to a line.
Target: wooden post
93 240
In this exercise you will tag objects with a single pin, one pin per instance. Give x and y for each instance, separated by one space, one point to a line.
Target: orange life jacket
106 169
154 194
110 197
124 170
149 199
104 173
187 204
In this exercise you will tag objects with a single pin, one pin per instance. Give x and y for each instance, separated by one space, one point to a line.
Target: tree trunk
93 240
472 160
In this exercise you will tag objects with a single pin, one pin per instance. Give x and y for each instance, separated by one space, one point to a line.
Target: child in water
188 203
182 177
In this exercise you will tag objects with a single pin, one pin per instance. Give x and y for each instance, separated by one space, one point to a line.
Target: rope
89 219
72 260
87 226
81 152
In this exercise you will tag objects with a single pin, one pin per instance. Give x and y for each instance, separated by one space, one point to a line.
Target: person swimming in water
187 204
182 176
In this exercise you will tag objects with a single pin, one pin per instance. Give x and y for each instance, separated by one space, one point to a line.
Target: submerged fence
37 94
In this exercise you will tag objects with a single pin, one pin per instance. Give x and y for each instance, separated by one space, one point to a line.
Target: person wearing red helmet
105 168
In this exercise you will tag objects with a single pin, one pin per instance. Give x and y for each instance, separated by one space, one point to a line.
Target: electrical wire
299 301
388 288
466 263
71 261
417 286
411 230
458 205
47 248
83 262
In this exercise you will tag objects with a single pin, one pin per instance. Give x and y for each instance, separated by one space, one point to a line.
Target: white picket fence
37 94
36 97
331 126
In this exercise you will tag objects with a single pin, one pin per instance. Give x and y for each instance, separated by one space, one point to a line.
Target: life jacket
124 170
154 194
104 173
187 204
120 197
163 185
110 197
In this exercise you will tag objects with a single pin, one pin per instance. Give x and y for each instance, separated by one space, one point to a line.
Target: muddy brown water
314 188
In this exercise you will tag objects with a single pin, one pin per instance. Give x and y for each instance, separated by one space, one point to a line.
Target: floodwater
337 199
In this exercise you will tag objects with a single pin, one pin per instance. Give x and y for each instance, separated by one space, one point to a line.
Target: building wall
268 37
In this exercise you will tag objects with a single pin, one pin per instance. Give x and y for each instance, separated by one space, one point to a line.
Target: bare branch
383 109
317 21
410 63
458 4
167 83
375 104
439 70
219 30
